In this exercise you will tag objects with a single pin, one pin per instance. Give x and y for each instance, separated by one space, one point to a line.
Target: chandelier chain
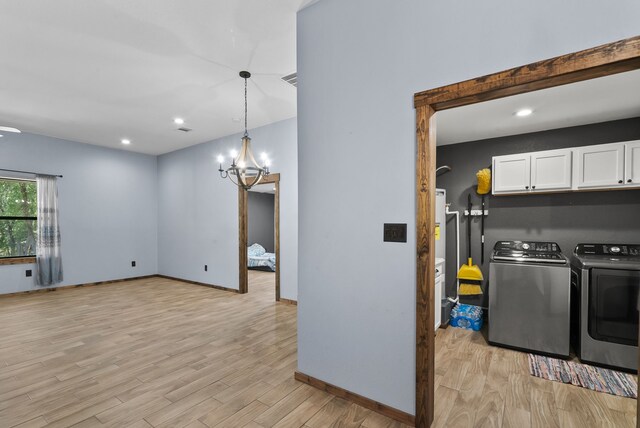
245 107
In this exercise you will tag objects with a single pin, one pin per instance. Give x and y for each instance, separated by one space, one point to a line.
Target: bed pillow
256 250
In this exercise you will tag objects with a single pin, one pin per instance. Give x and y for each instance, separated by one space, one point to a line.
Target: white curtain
48 256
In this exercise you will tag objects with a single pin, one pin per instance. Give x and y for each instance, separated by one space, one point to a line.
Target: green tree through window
18 211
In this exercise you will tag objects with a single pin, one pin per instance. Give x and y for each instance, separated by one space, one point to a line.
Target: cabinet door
511 174
632 163
600 166
551 170
437 300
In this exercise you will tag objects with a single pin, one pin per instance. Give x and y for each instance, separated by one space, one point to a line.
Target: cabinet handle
526 187
533 187
629 180
620 181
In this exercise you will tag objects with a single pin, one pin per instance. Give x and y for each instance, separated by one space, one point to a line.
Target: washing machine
529 297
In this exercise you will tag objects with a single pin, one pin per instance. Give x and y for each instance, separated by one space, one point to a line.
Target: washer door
613 305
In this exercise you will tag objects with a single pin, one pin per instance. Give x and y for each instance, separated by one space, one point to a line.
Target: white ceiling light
9 129
178 121
524 112
125 141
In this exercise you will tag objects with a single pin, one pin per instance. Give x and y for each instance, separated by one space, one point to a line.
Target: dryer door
613 305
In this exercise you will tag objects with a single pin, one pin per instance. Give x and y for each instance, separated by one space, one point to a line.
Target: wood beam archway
243 233
612 58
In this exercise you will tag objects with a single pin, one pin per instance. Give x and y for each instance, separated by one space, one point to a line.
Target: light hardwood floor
160 353
163 353
478 385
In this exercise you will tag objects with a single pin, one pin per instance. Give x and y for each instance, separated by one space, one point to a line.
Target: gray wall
565 218
261 220
359 64
108 208
198 211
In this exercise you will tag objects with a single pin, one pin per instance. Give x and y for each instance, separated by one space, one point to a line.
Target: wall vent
183 129
291 79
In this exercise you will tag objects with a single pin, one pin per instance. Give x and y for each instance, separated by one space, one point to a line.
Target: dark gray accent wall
565 218
261 220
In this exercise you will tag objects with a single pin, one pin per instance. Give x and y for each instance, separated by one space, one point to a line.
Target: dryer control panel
621 250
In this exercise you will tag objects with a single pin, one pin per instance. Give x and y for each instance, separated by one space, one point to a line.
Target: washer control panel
622 250
527 247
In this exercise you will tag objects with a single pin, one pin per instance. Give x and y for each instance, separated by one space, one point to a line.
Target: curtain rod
29 172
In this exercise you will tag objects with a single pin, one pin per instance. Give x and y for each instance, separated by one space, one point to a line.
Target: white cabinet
551 170
437 293
511 174
632 163
603 166
600 166
536 172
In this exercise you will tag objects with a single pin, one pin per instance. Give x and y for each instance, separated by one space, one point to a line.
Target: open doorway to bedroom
259 237
261 254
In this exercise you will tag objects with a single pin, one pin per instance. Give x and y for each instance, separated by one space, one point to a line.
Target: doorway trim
243 233
604 60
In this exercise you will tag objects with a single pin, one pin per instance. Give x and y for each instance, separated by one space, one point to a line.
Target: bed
259 259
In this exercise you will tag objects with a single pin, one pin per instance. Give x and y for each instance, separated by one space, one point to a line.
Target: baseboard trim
217 287
288 301
368 403
68 287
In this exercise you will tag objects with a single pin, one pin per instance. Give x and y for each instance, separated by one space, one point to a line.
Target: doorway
263 255
604 60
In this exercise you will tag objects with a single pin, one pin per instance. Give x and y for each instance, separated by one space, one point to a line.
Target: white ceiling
592 101
102 70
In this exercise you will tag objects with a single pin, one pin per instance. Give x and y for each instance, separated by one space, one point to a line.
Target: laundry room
538 194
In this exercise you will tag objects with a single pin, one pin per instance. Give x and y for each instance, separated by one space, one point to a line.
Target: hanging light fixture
244 170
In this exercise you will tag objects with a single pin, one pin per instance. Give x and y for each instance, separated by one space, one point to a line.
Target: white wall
108 208
359 64
198 211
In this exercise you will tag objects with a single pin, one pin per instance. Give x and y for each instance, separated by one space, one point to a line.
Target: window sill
18 261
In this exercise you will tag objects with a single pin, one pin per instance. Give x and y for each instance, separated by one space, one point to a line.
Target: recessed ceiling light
125 141
524 112
1 135
178 121
9 129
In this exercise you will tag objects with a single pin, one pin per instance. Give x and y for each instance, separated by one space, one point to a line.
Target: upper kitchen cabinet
511 174
632 163
551 170
604 166
600 166
532 172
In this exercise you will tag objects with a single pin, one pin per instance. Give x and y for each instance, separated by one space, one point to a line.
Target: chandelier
244 170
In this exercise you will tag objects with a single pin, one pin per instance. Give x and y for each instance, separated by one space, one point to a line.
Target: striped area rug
595 378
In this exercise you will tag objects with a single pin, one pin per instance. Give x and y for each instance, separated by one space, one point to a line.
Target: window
18 211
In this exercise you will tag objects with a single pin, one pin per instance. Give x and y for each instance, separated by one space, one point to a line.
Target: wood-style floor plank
494 389
166 354
158 353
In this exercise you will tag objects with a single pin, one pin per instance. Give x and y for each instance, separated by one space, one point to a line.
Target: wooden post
277 236
425 275
243 227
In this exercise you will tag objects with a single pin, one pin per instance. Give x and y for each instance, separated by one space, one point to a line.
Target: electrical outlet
133 263
206 268
395 232
28 273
